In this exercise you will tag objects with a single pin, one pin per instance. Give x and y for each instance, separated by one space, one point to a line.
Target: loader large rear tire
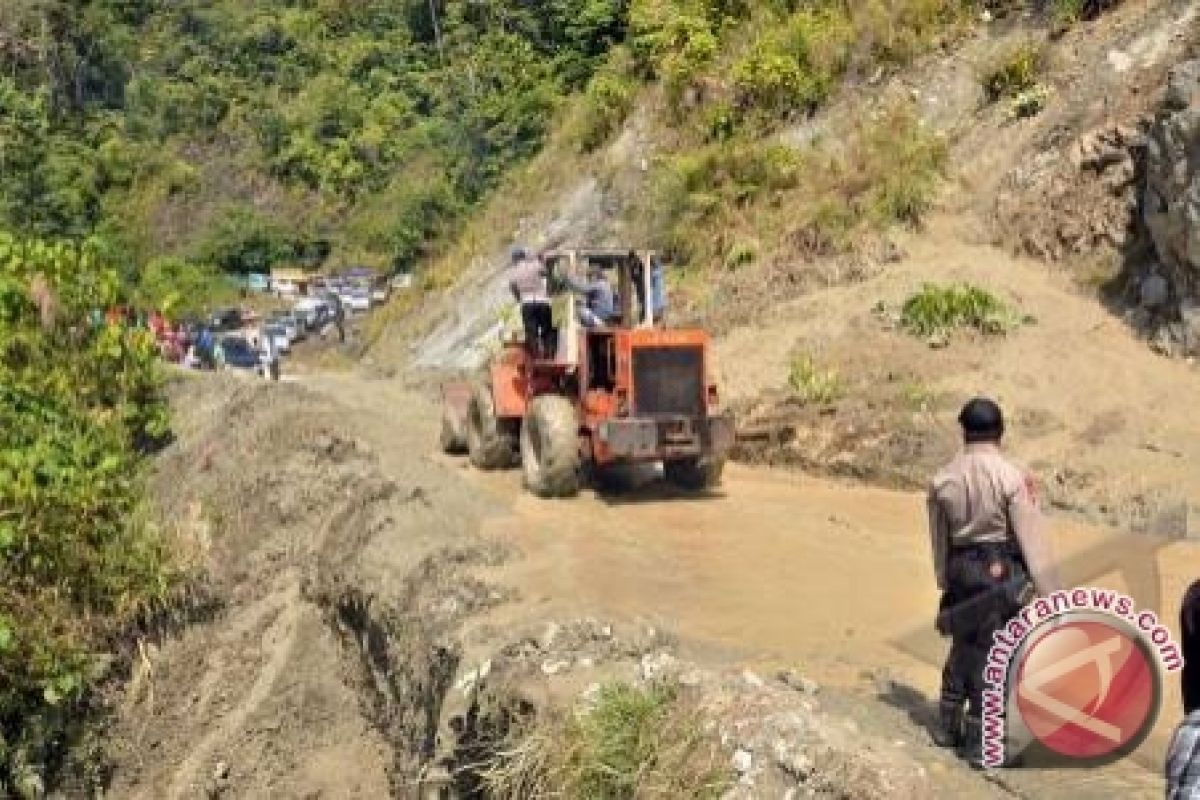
550 448
694 474
490 445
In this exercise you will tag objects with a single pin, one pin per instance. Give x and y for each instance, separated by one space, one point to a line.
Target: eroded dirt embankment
324 671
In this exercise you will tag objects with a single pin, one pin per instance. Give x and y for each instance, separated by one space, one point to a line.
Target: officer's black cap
982 420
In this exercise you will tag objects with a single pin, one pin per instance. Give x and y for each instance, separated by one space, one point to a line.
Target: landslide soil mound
322 673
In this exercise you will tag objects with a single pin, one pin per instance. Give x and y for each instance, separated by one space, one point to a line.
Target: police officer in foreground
991 558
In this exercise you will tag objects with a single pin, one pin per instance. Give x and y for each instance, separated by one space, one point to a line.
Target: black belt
988 549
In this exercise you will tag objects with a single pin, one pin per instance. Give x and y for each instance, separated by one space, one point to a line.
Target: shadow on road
921 710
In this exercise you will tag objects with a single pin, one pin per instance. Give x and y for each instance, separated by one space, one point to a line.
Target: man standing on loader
990 557
529 284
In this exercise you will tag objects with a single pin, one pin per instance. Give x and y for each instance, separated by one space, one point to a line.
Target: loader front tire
489 444
550 448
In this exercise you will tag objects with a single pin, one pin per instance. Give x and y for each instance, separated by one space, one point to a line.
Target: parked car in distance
293 321
226 319
279 336
289 326
239 355
313 311
359 300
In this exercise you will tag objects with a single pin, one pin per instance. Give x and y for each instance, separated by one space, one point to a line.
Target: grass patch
1016 71
936 311
886 174
814 385
631 743
1065 13
917 396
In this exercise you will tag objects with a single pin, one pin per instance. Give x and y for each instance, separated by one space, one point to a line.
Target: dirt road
360 573
782 570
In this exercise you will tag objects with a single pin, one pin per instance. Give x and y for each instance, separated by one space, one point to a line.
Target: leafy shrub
631 743
676 39
694 191
1030 102
180 288
814 385
242 240
936 311
77 398
795 66
1015 72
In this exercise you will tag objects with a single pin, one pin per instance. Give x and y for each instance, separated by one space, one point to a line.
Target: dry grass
633 743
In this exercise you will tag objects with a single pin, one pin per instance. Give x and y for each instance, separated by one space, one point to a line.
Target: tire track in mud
278 639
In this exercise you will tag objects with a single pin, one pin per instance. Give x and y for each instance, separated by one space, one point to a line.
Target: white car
359 301
312 312
295 324
287 324
279 336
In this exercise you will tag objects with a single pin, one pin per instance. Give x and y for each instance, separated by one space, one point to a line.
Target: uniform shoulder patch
1030 487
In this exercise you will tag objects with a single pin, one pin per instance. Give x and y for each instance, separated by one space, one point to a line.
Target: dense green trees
309 112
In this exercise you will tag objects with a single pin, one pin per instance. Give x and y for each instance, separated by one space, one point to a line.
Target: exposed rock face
1171 197
1065 205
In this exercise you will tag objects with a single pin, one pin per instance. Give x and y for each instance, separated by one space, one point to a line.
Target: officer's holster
986 585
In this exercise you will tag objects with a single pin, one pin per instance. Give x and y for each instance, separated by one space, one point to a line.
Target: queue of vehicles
239 334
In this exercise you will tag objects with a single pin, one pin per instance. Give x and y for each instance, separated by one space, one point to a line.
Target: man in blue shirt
599 303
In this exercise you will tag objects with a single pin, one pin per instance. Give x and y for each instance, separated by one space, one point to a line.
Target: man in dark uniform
990 557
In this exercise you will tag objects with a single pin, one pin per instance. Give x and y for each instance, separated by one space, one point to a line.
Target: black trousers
538 321
986 586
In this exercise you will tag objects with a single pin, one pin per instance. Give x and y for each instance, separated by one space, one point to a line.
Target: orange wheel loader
627 391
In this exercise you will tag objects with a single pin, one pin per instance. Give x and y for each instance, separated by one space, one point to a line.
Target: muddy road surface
359 573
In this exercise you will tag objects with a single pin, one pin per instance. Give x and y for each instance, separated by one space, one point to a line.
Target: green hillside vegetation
238 135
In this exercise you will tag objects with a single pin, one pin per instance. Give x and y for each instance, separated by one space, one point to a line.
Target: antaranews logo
1077 675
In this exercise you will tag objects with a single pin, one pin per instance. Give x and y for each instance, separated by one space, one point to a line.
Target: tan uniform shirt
982 497
527 279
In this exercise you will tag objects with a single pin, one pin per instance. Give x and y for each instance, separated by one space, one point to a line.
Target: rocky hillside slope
1021 157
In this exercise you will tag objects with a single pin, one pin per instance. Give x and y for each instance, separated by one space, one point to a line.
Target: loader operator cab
589 351
629 274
